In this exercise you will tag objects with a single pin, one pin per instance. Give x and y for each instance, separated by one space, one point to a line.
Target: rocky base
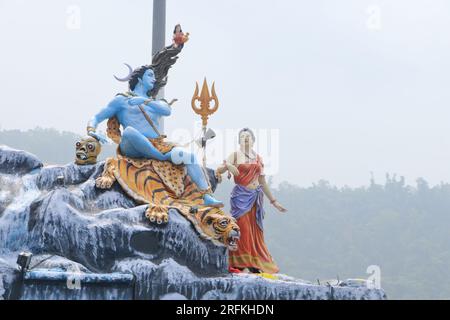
71 227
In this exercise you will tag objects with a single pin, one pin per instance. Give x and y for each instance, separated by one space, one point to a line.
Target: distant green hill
50 145
329 231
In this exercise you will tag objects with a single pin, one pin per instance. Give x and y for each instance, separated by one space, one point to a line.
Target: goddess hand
233 169
279 207
218 177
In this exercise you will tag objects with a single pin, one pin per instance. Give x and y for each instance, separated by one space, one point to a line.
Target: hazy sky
353 86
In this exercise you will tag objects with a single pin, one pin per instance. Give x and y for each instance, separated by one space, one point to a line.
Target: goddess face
246 139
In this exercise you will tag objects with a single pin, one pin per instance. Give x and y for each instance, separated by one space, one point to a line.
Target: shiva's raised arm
109 111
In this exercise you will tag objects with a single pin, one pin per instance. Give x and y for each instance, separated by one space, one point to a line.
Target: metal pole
158 36
159 25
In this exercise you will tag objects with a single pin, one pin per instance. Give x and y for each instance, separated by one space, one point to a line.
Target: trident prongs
205 98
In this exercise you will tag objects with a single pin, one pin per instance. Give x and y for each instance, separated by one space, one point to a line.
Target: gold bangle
90 129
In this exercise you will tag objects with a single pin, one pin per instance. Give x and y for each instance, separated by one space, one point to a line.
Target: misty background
354 87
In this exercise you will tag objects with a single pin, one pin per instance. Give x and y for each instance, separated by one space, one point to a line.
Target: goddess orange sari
246 207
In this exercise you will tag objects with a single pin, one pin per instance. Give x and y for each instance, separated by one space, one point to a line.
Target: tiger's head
221 227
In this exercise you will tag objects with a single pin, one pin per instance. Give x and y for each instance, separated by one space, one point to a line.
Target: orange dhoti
247 209
252 251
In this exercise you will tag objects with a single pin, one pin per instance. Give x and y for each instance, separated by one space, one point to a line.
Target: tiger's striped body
163 186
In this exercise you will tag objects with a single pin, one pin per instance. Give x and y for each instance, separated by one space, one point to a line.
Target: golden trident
205 99
205 109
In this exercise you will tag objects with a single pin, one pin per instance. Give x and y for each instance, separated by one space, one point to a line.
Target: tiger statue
163 186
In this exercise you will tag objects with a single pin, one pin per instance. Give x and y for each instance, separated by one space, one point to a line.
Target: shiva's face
148 79
246 139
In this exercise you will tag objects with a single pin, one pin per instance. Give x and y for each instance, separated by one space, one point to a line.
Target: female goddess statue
246 201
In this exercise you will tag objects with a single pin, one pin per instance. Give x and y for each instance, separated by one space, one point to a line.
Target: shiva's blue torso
135 143
131 115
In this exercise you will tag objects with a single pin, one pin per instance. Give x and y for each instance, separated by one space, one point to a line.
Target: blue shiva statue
140 112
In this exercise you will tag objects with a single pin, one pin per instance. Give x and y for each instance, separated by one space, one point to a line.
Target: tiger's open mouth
232 240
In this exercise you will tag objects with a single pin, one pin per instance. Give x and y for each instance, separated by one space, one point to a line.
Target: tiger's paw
104 182
157 215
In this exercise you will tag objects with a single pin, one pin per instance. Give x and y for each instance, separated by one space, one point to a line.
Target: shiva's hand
136 101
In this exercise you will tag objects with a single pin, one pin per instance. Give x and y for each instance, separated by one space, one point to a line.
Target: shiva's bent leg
135 145
195 172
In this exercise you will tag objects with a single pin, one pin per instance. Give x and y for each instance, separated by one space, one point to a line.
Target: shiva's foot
209 200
